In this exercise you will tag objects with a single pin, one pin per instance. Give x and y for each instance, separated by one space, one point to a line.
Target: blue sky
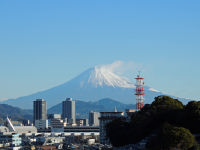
46 43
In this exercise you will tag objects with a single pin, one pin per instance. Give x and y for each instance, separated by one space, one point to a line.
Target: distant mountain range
15 113
93 84
82 109
103 105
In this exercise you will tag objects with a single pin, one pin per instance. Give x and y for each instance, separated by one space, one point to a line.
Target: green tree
192 116
117 132
150 119
164 102
193 106
177 137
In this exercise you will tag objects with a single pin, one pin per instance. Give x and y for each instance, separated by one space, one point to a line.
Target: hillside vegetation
167 122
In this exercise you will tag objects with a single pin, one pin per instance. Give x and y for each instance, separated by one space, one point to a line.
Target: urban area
64 131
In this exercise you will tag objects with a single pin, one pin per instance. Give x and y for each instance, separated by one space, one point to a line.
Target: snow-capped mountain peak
91 85
101 76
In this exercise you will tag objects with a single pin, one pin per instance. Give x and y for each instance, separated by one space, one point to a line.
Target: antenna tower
139 92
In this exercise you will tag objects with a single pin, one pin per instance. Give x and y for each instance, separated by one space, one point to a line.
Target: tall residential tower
68 110
40 113
40 110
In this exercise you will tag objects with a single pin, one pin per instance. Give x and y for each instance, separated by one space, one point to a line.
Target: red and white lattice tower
139 92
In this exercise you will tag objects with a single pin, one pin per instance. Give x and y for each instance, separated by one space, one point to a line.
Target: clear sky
44 43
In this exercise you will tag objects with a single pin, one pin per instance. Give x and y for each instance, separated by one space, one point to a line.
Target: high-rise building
68 110
39 110
40 114
94 118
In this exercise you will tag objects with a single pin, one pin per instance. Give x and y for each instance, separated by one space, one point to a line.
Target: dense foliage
151 120
177 137
172 137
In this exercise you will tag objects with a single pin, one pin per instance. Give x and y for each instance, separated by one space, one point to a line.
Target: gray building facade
68 110
39 110
94 118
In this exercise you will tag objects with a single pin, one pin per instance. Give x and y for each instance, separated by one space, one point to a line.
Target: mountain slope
93 84
15 113
100 76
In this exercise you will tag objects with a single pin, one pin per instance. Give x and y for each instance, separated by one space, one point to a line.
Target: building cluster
60 131
54 131
57 122
65 131
67 121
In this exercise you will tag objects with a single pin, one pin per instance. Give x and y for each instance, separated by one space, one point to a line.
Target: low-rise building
129 113
57 125
41 124
25 129
106 117
82 122
79 122
13 139
53 116
94 118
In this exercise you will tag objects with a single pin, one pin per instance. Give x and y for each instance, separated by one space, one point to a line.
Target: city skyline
44 44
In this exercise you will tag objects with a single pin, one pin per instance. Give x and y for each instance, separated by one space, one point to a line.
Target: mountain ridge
91 85
15 113
82 109
102 105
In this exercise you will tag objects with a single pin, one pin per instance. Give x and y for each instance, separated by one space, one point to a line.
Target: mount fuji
92 85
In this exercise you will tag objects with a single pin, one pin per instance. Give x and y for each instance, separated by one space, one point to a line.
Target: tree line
166 122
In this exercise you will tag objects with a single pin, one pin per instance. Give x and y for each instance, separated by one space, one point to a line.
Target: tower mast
139 92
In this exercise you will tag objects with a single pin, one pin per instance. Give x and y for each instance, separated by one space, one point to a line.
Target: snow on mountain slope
154 90
92 85
100 76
